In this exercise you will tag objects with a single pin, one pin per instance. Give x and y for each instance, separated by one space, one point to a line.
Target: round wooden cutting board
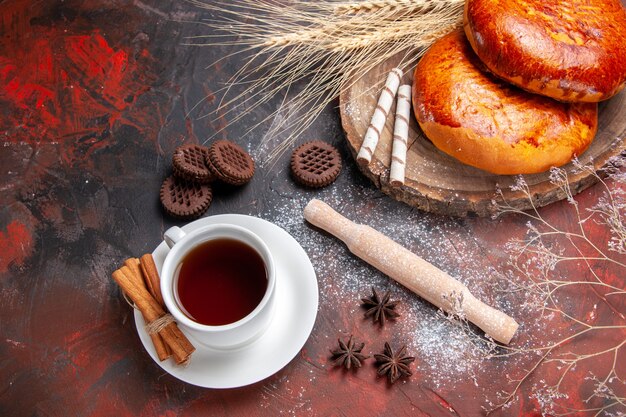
438 183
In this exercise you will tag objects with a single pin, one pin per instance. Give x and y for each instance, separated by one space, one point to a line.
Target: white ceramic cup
228 336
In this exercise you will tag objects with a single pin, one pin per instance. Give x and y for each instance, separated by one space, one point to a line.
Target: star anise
394 364
348 354
380 308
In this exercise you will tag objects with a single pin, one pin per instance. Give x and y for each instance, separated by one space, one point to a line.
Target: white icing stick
377 124
400 136
405 267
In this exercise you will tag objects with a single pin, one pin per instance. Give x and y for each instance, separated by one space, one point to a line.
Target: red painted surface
16 245
62 85
94 96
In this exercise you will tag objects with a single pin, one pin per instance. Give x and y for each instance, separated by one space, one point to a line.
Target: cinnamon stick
133 264
162 349
173 337
133 286
151 277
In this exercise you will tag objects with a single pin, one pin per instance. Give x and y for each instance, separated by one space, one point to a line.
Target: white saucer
294 315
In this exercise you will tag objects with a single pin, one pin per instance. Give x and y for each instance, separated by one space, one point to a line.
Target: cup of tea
218 282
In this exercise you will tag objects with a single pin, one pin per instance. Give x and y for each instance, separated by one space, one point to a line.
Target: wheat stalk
323 45
373 6
370 6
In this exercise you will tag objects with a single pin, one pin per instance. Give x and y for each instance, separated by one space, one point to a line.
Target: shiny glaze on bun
487 123
570 50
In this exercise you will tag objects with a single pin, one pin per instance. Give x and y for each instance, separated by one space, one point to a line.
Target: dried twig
535 259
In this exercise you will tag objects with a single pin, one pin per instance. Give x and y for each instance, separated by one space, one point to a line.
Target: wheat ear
312 52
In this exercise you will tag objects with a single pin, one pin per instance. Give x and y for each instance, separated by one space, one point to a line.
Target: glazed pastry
492 125
569 50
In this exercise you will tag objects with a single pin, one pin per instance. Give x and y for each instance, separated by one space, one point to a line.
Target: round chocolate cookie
315 164
185 199
230 163
189 163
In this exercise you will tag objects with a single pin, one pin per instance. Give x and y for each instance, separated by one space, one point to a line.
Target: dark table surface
94 97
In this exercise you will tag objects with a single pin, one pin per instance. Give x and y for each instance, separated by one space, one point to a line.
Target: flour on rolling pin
405 267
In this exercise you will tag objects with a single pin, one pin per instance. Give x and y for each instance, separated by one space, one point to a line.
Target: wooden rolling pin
410 270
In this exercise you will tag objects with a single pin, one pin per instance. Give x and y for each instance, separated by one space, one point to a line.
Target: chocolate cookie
230 163
185 199
189 163
315 164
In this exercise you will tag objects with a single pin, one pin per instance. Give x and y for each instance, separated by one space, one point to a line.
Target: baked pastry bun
570 50
490 124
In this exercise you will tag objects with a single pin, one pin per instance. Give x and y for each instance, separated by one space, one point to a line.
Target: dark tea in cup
221 281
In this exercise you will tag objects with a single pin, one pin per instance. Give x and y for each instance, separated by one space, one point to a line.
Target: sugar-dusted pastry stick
400 264
400 136
372 135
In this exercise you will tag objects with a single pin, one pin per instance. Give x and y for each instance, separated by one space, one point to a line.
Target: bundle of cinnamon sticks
139 279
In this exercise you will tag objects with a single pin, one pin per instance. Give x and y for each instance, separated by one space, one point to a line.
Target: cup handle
173 235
